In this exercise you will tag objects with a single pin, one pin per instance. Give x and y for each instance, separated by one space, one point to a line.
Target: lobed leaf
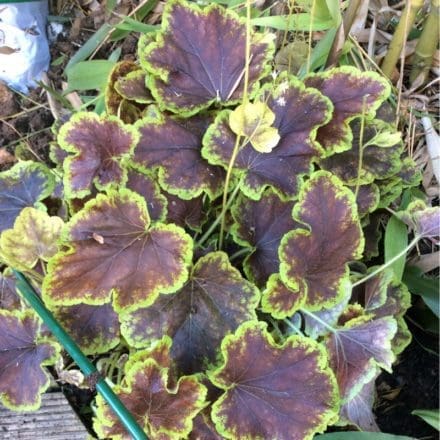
386 296
113 98
111 248
279 300
186 213
173 147
315 259
356 350
163 413
146 186
98 147
213 303
358 411
22 356
199 58
34 237
25 184
353 93
425 220
261 224
132 86
94 328
378 162
299 112
9 299
272 391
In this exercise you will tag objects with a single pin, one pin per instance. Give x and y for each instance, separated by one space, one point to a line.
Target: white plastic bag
24 49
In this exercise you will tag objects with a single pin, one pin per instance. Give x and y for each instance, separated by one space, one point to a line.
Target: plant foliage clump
214 229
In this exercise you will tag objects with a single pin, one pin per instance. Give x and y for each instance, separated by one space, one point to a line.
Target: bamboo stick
427 44
400 35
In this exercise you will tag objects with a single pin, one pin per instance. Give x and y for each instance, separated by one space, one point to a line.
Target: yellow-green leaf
33 237
254 121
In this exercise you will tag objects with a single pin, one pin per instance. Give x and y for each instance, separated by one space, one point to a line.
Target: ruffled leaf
357 348
22 356
316 259
163 413
186 213
353 94
272 391
279 300
132 86
199 58
298 114
425 220
378 162
25 184
94 328
111 248
98 147
173 146
112 97
385 296
146 186
260 225
9 299
367 199
358 410
34 237
212 304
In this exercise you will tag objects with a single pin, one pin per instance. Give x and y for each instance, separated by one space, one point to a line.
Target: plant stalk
388 263
126 418
405 25
427 44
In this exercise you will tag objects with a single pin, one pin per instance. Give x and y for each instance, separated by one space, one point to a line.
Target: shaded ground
413 385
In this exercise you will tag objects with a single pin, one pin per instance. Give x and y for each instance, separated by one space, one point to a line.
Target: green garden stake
78 356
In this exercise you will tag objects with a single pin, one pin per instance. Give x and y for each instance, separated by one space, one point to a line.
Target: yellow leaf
33 237
254 121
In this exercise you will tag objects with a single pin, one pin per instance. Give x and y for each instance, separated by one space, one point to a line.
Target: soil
25 131
413 385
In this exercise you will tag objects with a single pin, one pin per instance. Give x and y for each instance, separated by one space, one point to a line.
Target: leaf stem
225 202
361 150
240 252
214 224
318 319
293 327
388 263
237 141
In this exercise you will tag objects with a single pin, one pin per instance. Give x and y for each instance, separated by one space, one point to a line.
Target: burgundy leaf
146 186
98 146
353 93
9 299
260 225
357 348
186 213
199 58
298 113
163 413
25 184
377 162
213 303
111 249
318 256
271 391
173 146
94 328
22 377
113 98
